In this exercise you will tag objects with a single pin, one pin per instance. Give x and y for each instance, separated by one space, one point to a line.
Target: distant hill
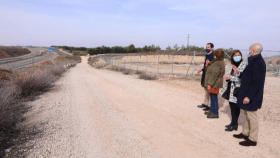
6 52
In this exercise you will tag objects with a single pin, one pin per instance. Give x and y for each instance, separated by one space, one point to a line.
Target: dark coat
210 57
252 83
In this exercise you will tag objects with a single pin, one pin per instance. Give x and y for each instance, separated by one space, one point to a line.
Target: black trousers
235 112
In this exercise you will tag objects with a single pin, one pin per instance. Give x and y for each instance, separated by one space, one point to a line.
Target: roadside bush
8 93
5 74
138 72
32 82
67 60
57 70
10 114
6 51
18 87
119 69
147 76
128 71
97 63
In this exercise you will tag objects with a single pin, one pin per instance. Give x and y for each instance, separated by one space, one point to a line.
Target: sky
91 23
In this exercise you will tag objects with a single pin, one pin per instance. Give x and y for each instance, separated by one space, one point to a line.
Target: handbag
226 93
213 90
236 91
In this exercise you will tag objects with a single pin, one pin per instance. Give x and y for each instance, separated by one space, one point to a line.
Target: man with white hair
250 95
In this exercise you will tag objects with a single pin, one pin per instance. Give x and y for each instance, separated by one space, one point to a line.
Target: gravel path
104 114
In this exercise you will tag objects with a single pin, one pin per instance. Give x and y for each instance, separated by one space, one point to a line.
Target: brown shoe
240 136
248 142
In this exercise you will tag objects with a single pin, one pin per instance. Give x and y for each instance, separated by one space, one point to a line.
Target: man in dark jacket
209 56
250 95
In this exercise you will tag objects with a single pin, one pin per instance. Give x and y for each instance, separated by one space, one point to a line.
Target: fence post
139 63
187 64
146 67
158 65
193 63
113 61
125 62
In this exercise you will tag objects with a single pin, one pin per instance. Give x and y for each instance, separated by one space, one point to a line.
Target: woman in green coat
214 81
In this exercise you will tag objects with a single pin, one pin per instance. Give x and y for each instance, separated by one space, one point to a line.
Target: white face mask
237 59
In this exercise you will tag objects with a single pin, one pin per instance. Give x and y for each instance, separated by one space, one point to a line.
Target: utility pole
188 44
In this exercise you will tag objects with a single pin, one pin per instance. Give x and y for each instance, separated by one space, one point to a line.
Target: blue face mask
237 59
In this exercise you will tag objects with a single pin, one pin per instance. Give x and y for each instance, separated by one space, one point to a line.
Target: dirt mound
3 54
6 52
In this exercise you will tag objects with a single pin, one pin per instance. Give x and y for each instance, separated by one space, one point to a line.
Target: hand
246 101
208 87
207 62
199 71
227 77
235 69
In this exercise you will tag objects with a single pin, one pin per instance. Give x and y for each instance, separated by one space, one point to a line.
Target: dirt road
103 114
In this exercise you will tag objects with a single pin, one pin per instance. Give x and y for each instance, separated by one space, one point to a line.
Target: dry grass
175 66
165 59
22 86
96 62
274 60
46 63
11 113
5 74
32 82
67 60
149 66
128 72
141 74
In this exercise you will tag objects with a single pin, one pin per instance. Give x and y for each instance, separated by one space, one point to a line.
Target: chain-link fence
165 64
273 62
176 65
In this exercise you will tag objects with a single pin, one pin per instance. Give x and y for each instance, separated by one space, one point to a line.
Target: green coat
215 73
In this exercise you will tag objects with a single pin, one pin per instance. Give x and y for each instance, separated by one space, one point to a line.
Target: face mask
237 59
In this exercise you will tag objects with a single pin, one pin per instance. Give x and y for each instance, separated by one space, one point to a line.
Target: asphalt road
36 55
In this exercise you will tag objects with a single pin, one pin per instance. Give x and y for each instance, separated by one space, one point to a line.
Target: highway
37 55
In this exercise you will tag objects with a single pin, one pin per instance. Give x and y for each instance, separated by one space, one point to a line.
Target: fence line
172 65
177 66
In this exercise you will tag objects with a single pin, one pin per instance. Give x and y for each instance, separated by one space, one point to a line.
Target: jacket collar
255 57
209 52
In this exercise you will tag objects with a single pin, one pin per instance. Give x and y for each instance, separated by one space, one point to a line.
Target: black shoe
240 136
206 108
202 106
211 115
227 126
231 128
207 112
248 142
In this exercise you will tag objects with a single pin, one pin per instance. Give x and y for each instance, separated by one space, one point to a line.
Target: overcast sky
227 23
